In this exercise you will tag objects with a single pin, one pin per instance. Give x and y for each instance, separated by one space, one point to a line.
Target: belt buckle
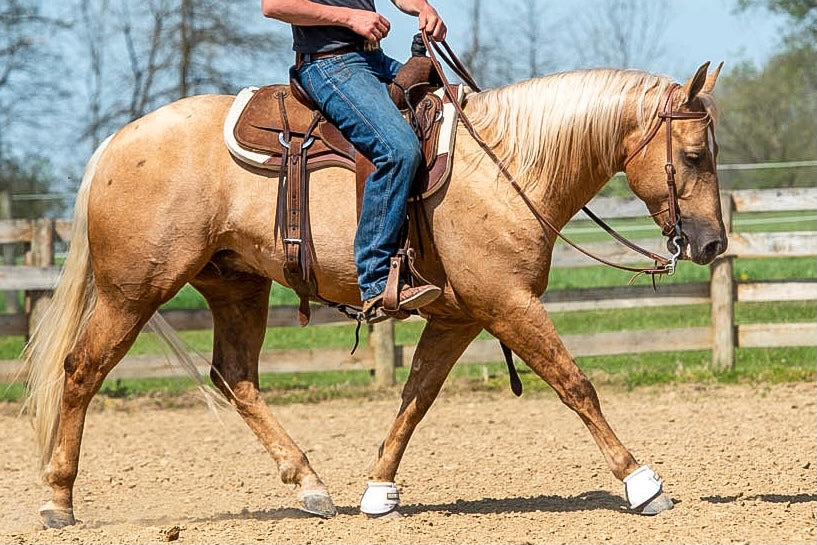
369 45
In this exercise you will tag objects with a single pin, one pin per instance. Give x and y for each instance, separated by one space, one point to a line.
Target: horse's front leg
441 344
524 326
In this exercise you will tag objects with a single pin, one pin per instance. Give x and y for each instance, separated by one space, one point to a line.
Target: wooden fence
39 275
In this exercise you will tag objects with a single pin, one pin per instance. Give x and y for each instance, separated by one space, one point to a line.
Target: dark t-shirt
317 39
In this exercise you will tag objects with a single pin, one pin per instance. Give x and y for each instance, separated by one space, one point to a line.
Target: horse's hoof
391 515
319 504
662 502
54 517
380 498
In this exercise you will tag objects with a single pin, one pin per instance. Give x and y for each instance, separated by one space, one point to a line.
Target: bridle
672 228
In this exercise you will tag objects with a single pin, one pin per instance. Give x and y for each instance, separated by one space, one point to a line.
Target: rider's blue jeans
350 90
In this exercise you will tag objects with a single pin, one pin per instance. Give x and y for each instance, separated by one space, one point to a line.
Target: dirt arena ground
739 462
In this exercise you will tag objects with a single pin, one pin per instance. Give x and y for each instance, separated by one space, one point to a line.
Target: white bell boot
641 486
380 498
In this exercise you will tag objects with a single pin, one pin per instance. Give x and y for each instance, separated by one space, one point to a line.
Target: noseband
672 227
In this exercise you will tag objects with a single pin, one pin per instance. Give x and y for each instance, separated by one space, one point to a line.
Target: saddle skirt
256 125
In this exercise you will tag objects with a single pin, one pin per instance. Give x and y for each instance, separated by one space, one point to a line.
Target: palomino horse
163 204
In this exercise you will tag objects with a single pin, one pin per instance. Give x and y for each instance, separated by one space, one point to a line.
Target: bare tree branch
619 33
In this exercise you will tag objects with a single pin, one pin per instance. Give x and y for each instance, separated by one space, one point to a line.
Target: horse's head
679 149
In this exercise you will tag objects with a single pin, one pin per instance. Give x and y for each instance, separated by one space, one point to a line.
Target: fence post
382 339
8 253
722 294
41 255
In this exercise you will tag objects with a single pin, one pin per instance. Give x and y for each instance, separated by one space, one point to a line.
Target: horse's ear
711 78
695 84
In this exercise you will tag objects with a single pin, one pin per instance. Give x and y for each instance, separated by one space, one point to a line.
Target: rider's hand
431 22
369 24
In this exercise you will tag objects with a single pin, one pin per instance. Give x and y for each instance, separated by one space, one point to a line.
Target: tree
768 116
534 38
471 55
802 14
29 179
25 55
210 36
768 113
513 45
23 50
619 33
143 55
485 55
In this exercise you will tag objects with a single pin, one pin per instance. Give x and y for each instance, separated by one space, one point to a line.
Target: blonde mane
558 127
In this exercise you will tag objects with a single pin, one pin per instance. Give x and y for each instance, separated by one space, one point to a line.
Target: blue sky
697 31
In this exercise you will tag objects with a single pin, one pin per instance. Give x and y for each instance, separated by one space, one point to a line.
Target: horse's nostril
710 251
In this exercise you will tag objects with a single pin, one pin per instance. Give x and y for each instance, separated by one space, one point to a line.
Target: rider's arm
369 24
430 20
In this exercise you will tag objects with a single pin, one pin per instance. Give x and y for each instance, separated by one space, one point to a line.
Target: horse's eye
693 158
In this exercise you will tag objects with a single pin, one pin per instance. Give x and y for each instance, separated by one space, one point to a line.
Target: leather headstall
672 228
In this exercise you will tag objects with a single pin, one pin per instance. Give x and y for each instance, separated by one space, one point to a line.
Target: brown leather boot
414 297
410 298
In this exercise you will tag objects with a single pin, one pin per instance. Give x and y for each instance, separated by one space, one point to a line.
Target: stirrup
373 311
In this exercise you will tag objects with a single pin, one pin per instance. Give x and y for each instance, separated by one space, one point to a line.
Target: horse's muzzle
701 249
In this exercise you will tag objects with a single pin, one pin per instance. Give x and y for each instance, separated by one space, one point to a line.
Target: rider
344 71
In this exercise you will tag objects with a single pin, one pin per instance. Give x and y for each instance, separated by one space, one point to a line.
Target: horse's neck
561 196
573 194
557 201
561 199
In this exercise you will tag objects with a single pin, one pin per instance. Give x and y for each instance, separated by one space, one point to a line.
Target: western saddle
279 122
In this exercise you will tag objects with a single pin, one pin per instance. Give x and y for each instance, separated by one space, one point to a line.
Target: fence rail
39 276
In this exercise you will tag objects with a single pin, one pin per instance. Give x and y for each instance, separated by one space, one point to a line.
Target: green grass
745 270
753 366
189 298
408 333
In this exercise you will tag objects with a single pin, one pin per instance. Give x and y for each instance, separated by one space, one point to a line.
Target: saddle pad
243 155
441 168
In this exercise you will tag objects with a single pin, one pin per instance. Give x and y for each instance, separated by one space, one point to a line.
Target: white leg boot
643 489
380 498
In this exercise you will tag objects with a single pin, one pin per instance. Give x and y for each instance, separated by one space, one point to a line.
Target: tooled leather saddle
276 127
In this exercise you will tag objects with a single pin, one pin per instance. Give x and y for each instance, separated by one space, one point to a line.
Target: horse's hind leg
111 330
239 304
525 327
443 341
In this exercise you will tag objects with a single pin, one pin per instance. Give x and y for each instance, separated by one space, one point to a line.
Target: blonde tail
55 334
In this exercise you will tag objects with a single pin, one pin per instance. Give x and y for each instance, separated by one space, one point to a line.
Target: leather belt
309 57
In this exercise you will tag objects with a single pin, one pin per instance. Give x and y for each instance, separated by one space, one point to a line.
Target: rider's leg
350 91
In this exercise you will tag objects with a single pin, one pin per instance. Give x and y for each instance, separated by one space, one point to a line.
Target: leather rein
672 228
